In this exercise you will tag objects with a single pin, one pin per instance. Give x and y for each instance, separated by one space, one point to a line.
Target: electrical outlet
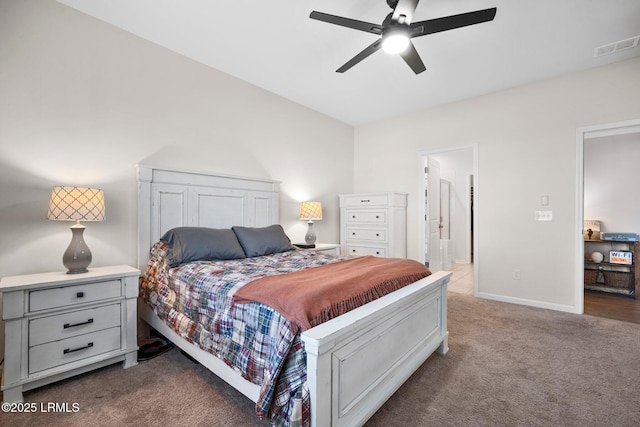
516 274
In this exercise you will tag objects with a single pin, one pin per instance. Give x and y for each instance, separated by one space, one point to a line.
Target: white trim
421 212
528 302
582 134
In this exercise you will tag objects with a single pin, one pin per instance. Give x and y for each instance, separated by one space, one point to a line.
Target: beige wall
611 177
82 102
526 140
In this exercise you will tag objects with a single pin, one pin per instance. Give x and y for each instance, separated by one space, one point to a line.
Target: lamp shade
76 203
311 211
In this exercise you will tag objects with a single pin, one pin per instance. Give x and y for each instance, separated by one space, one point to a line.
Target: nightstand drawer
54 328
369 216
366 250
57 353
373 235
70 295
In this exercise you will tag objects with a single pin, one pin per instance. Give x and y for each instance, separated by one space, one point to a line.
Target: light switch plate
544 215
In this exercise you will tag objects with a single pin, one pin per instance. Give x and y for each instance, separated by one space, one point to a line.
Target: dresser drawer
68 350
366 250
70 295
365 200
373 235
372 216
54 328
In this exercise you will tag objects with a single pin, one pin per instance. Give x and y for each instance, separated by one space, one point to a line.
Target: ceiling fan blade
406 8
347 22
412 59
446 23
362 55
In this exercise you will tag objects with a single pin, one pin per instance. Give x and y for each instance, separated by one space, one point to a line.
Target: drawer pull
353 216
68 350
79 294
365 201
377 234
69 325
353 234
353 250
377 216
377 253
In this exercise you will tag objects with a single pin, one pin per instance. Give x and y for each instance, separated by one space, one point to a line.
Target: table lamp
79 204
311 211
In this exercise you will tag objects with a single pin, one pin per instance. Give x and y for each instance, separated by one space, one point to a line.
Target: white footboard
357 361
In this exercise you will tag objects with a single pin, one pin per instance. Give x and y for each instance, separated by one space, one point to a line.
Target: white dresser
374 224
58 325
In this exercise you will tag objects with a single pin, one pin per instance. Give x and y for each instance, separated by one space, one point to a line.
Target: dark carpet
508 365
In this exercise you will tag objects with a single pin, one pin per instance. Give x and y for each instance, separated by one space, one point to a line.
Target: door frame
582 134
422 157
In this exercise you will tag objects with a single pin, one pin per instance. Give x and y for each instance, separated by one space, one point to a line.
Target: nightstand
58 325
333 248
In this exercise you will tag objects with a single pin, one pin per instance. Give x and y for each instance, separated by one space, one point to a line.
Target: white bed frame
355 362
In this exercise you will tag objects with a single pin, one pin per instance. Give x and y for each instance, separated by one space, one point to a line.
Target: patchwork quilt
195 300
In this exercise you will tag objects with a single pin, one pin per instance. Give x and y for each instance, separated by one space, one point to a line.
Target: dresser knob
79 294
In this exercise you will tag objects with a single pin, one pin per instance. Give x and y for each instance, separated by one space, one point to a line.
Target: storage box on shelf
58 325
374 224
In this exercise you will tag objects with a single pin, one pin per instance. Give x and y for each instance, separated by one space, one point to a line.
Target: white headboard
172 198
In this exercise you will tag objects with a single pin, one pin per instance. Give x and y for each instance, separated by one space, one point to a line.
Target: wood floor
612 306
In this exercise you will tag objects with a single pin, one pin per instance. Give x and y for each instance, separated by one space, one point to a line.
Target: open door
433 224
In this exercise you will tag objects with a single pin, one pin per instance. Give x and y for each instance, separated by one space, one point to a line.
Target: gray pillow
262 241
188 244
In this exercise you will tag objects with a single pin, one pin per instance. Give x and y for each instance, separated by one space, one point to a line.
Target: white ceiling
274 45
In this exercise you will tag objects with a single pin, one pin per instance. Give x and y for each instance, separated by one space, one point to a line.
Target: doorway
447 193
597 147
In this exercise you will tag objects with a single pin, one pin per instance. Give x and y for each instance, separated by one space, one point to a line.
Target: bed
354 362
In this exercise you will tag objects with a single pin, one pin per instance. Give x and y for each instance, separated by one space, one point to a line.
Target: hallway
461 279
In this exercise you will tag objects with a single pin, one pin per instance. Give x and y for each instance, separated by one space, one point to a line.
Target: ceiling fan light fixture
395 42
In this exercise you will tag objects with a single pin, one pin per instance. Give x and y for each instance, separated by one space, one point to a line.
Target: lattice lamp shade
76 203
311 211
79 204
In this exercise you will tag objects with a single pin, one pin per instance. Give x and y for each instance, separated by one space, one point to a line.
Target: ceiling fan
397 29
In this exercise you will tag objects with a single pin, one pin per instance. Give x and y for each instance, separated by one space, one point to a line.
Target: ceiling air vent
616 46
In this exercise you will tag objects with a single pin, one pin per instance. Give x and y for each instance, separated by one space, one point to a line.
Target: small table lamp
79 204
311 211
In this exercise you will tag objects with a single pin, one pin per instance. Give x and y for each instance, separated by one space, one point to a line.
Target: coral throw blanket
314 295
